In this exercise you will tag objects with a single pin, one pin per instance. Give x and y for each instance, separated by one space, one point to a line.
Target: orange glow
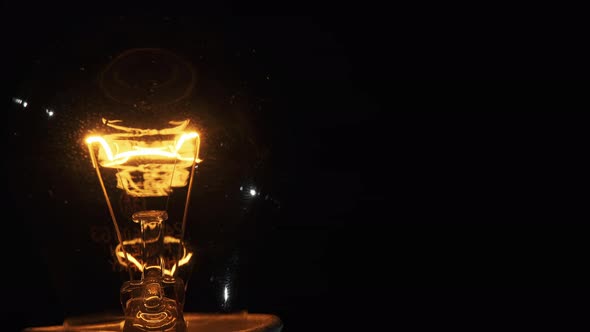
149 161
124 256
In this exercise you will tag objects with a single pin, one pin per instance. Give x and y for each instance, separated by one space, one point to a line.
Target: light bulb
144 167
143 133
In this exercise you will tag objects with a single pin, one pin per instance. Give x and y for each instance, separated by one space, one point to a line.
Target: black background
421 186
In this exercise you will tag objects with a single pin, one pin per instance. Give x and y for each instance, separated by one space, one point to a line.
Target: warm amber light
149 161
124 256
132 150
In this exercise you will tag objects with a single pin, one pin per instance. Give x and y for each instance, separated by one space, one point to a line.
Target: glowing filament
149 162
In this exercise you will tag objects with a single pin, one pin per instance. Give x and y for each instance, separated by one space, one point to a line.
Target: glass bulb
103 160
144 167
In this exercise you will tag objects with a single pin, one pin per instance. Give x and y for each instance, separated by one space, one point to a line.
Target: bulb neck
152 244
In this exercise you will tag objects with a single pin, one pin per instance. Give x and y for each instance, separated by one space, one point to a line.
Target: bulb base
153 304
